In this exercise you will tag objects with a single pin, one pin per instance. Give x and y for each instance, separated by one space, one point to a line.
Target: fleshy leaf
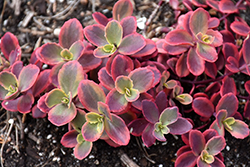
117 130
227 6
122 9
181 66
69 77
50 53
41 83
128 25
206 52
9 42
147 137
137 126
159 135
69 139
181 126
25 103
116 101
83 149
11 105
105 79
186 159
142 78
113 32
27 77
199 21
240 28
239 130
123 84
215 145
229 102
93 118
92 131
95 34
61 114
169 115
104 109
55 97
100 18
148 49
71 32
196 141
3 93
150 111
179 37
184 98
195 63
7 79
203 107
89 94
77 49
121 65
101 53
132 95
246 50
131 44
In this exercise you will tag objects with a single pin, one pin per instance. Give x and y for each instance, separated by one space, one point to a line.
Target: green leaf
169 115
184 98
55 97
113 32
122 83
83 149
93 118
92 132
7 79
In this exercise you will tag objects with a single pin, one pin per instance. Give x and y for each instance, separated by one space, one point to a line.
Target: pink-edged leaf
228 102
157 75
247 110
203 163
116 101
215 145
122 82
122 9
42 105
200 3
77 49
54 74
105 79
37 113
69 77
186 159
3 93
89 61
27 77
137 126
203 107
169 115
95 34
117 130
142 78
228 85
220 117
159 135
195 63
247 86
11 105
206 52
92 131
240 28
180 127
218 39
179 37
175 50
196 141
181 66
9 43
100 53
150 111
184 98
100 18
62 114
129 25
148 49
83 149
25 103
114 32
230 50
147 135
131 44
133 95
227 6
50 53
121 65
217 163
213 22
209 133
7 79
55 97
159 44
104 109
239 130
15 55
16 68
183 149
161 101
199 21
138 103
41 83
211 69
221 131
246 50
89 94
213 4
69 139
71 32
232 64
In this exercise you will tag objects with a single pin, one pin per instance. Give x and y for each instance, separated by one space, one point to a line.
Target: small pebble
49 136
91 156
11 121
227 148
141 23
57 31
26 130
160 165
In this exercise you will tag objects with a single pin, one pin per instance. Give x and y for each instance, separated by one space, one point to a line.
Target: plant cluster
106 81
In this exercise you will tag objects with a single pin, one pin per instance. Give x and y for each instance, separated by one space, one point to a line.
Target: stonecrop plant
107 81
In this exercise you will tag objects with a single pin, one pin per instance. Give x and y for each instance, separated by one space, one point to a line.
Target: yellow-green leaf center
109 48
66 54
11 89
128 92
207 39
228 122
206 157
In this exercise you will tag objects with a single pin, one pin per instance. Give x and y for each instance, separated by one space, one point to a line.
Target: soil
36 142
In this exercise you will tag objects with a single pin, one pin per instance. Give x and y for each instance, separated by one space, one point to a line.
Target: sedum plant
107 81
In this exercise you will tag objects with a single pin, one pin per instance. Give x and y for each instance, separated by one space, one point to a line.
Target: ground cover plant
107 81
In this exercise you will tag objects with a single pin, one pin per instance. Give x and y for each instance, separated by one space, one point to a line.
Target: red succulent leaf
186 159
229 102
100 18
131 44
55 97
95 34
203 107
77 49
50 53
217 162
199 3
227 6
175 50
15 55
247 86
184 98
218 39
83 149
104 109
25 103
89 61
206 52
92 131
69 139
246 50
232 64
116 101
213 4
27 77
62 114
69 77
117 130
160 46
213 22
121 65
54 74
215 145
142 78
150 111
147 135
180 126
195 63
227 36
89 94
11 105
138 103
148 49
42 105
161 101
129 25
228 85
71 32
230 50
181 67
239 129
211 69
247 110
199 21
179 37
157 75
105 79
240 28
37 113
41 83
9 43
183 149
197 142
122 9
137 126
